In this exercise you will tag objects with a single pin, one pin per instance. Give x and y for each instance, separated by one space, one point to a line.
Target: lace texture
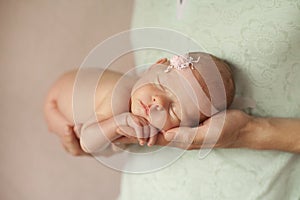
261 40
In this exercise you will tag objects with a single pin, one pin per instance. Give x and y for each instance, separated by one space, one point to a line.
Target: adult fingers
126 140
71 144
161 141
182 134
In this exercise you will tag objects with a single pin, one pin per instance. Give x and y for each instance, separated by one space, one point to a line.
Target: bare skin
59 112
239 131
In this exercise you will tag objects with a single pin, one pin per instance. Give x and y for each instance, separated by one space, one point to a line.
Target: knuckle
194 142
50 129
135 119
75 153
191 147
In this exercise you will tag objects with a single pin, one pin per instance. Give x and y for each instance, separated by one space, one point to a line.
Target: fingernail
169 136
142 143
149 144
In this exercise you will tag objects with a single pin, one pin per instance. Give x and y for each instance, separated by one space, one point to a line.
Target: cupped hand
133 126
223 130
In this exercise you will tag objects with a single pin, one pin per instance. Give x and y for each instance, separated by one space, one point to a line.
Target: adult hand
226 133
241 130
234 129
223 130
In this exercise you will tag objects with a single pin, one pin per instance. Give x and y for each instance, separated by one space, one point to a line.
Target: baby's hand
130 125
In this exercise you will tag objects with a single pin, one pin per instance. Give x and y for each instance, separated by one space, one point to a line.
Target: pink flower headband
191 84
181 62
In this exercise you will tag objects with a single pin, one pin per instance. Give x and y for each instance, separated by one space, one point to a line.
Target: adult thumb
169 136
182 134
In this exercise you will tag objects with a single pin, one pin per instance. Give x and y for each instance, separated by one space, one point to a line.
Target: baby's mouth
155 114
158 116
145 107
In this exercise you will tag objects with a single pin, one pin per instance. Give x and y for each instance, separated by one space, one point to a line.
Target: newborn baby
181 92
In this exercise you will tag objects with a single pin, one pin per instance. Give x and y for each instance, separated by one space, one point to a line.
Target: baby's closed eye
174 110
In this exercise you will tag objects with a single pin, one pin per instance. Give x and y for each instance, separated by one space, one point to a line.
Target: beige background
39 40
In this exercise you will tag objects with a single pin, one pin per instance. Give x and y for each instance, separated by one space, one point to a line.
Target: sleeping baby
182 91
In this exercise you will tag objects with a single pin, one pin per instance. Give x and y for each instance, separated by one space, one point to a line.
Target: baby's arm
97 136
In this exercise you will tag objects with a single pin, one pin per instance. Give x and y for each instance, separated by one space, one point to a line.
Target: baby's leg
56 121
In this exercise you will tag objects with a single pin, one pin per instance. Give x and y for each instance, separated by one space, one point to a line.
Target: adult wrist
254 134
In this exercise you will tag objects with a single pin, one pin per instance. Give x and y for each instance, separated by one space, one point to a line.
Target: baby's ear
161 61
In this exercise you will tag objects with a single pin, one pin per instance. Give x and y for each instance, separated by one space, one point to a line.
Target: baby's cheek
171 123
158 117
135 109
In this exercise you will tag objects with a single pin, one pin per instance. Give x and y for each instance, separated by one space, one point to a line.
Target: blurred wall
39 40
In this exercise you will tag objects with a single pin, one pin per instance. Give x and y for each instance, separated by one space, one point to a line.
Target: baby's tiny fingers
152 140
139 134
153 131
146 131
126 140
126 131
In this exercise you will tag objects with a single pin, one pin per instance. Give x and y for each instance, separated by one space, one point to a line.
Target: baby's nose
160 101
156 107
158 116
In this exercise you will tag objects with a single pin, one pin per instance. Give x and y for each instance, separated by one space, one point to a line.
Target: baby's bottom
74 100
60 99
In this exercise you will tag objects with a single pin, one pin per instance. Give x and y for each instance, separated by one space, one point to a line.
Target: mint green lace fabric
261 40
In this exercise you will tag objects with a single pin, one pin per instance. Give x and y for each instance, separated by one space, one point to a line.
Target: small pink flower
179 62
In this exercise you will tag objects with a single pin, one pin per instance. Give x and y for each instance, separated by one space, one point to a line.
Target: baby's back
79 96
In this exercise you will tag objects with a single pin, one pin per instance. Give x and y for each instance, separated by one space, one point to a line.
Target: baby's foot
68 130
77 129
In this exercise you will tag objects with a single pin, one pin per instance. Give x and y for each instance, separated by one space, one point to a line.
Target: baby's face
157 104
163 100
183 97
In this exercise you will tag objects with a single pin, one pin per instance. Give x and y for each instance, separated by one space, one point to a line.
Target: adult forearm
272 133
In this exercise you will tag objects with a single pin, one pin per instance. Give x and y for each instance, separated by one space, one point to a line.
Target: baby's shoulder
113 93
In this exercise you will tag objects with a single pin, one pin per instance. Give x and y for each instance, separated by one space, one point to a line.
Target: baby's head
183 91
